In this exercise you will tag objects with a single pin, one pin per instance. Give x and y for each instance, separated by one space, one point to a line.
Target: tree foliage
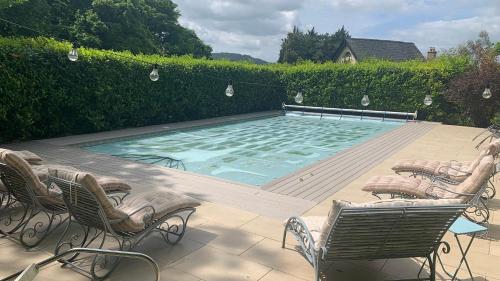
310 45
140 26
466 89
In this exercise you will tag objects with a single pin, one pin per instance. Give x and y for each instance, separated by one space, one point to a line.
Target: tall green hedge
390 86
43 94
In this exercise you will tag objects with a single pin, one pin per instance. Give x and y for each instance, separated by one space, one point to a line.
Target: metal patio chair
472 191
127 224
450 172
388 229
32 207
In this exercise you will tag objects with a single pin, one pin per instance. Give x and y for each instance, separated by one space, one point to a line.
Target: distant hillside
237 57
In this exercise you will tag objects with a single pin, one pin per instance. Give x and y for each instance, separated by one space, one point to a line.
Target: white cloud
445 34
253 27
256 27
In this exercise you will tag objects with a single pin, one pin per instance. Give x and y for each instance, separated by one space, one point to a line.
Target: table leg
464 255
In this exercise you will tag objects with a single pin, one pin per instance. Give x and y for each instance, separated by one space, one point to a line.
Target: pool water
253 152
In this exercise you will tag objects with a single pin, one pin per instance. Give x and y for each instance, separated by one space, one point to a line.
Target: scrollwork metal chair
472 191
33 209
378 230
450 172
127 223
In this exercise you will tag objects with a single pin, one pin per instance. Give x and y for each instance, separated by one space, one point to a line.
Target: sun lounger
128 223
386 229
470 191
42 208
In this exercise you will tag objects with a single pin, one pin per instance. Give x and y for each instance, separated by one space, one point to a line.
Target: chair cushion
163 202
109 184
28 156
478 178
337 206
457 171
418 166
396 184
17 163
314 225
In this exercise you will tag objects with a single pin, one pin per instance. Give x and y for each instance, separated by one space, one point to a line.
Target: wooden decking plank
323 191
340 164
326 164
344 167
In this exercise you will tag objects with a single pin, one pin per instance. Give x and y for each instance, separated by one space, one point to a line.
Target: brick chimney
431 54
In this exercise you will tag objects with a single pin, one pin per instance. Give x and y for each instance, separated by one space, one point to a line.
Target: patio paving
228 242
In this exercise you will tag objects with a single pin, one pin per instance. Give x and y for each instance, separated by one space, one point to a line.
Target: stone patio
228 243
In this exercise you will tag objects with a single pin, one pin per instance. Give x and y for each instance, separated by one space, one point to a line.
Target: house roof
381 49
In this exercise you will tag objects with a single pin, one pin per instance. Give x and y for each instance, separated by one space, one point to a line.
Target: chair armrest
299 229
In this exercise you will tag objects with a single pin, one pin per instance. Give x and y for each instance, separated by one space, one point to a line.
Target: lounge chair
450 171
42 208
493 133
470 191
128 223
386 229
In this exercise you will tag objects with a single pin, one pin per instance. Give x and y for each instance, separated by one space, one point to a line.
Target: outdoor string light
428 100
229 89
365 101
154 76
299 98
487 92
73 53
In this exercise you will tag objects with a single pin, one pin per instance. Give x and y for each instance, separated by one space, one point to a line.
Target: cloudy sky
256 27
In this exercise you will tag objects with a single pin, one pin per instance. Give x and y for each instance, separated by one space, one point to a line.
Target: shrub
390 86
45 95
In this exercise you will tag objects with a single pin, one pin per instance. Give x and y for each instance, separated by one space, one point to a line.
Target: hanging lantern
229 89
299 98
428 100
365 101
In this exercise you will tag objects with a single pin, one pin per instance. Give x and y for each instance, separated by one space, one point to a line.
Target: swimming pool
253 152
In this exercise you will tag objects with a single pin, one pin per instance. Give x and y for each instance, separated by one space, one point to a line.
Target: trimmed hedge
390 86
44 95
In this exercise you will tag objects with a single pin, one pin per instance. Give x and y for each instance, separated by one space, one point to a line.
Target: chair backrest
84 197
479 177
16 185
390 232
492 149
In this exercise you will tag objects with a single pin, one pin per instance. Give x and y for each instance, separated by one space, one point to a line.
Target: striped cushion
457 171
478 178
28 156
397 184
419 166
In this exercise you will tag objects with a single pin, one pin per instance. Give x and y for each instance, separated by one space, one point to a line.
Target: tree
466 90
140 26
311 45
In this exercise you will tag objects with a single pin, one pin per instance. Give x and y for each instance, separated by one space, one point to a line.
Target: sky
256 27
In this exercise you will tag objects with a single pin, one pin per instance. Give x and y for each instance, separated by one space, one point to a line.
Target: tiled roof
382 49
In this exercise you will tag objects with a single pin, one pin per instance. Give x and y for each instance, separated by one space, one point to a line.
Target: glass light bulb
428 100
154 76
229 90
73 54
487 93
365 101
299 98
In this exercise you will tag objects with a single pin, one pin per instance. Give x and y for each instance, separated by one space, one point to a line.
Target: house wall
343 55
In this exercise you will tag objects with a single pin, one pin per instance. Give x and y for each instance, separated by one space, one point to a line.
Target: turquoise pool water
253 152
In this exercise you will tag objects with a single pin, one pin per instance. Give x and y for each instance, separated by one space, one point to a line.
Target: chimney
431 54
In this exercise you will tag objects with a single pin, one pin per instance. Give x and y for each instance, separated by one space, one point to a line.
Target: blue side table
463 226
